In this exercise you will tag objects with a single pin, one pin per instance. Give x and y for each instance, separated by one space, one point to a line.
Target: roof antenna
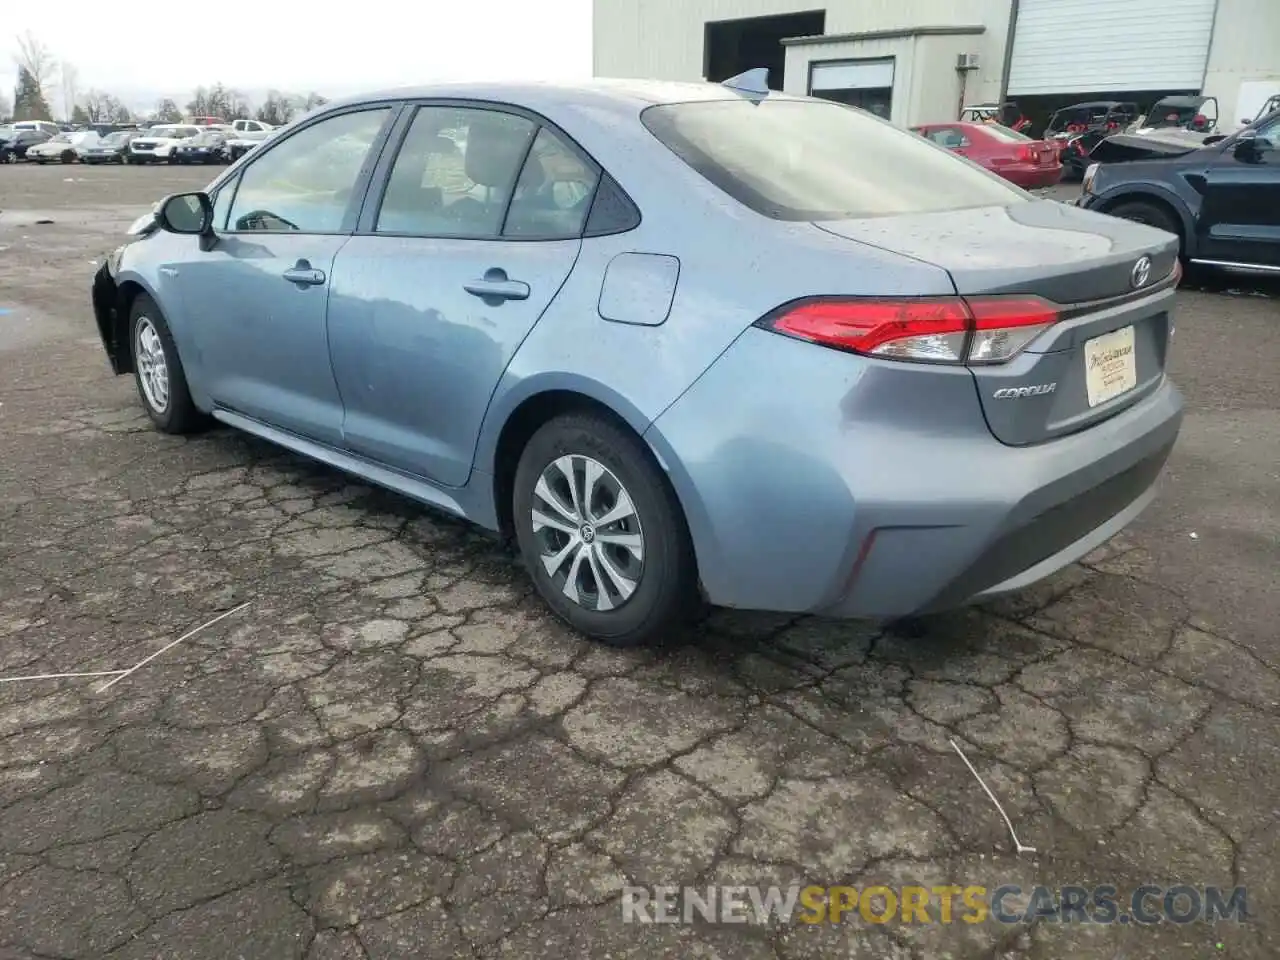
754 82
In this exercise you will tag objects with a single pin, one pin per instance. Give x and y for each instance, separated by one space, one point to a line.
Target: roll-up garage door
851 75
1087 46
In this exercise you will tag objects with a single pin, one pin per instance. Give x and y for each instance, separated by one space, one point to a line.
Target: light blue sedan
682 342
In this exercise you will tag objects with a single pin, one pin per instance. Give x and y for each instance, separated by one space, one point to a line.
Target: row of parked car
205 140
997 136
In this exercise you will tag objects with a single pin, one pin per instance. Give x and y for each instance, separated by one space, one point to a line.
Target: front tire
162 384
601 533
1140 211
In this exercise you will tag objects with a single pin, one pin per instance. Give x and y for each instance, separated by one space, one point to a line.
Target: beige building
916 61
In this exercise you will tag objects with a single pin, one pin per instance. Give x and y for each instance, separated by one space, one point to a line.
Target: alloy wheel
153 368
592 544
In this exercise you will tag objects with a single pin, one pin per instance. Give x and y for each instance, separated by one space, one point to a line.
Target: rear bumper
844 492
1032 178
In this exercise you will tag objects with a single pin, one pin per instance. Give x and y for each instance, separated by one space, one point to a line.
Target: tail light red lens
932 330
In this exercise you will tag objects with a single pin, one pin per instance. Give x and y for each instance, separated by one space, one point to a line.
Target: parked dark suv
1222 199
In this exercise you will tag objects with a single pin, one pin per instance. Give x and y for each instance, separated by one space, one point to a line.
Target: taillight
932 330
1003 326
1026 154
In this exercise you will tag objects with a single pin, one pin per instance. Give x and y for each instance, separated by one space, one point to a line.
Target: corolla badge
1018 393
1141 273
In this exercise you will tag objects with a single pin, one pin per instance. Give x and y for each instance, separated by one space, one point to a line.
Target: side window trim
232 186
515 179
359 189
382 175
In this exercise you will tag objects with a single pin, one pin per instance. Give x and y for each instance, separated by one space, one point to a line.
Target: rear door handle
303 273
494 287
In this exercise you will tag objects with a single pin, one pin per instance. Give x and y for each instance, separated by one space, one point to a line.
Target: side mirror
1246 145
186 213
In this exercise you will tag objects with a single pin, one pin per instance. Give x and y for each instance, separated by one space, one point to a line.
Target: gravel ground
393 752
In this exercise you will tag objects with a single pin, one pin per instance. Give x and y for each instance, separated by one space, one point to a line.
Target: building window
860 83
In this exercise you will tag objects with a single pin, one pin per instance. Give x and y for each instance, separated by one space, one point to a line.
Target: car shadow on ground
715 635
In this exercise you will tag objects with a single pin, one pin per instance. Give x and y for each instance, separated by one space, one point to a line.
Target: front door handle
494 287
304 274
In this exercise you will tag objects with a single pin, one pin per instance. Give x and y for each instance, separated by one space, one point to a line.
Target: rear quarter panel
734 266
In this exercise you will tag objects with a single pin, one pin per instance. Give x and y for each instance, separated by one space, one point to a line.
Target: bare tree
6 110
104 108
70 77
277 109
167 111
37 60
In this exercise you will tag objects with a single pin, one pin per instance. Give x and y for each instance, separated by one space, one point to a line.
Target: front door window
305 183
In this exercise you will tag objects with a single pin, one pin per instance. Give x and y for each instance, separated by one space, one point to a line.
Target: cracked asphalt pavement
394 752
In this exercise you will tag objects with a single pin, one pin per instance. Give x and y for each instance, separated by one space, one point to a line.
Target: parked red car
1028 163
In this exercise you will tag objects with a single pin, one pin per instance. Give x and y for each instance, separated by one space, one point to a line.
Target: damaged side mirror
1246 146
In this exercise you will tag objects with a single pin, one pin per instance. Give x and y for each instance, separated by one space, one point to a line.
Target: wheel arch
1163 200
113 298
128 290
524 409
524 414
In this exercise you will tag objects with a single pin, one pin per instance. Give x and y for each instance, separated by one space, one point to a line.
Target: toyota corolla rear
957 390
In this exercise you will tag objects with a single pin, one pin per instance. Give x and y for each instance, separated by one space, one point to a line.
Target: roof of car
621 93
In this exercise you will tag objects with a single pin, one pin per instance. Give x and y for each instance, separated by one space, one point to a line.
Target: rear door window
948 137
809 160
1004 134
554 192
455 173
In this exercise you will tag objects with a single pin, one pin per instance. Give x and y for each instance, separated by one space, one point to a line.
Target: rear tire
622 581
162 383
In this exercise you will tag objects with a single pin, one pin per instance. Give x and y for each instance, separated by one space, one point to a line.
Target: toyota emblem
1141 273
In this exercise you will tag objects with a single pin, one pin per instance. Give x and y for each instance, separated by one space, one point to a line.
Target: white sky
140 50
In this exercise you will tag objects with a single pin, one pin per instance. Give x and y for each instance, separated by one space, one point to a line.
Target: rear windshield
1005 134
808 160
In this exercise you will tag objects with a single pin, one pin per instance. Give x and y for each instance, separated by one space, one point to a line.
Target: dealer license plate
1110 365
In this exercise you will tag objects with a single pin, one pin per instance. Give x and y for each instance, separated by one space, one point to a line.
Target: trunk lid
1109 348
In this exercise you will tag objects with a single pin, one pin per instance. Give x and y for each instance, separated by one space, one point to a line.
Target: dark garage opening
730 47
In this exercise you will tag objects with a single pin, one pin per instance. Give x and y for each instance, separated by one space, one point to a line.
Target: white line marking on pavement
190 633
62 676
1008 823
